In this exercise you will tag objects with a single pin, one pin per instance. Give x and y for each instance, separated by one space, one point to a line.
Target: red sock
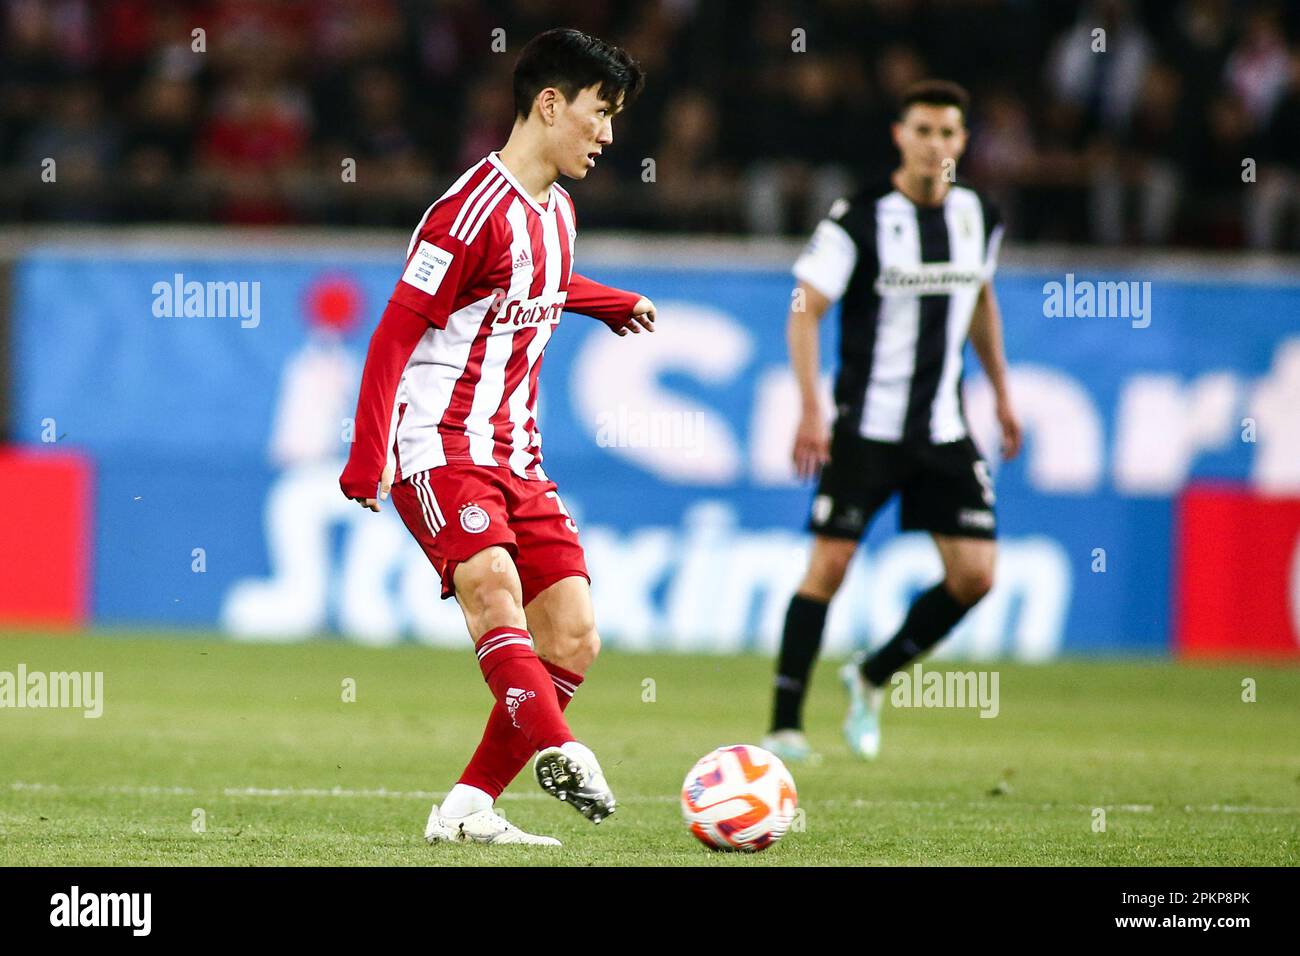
527 708
504 751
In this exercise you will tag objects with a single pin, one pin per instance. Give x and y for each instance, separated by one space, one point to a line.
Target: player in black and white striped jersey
911 263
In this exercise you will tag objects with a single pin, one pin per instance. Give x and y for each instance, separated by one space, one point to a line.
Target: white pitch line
130 790
857 803
331 792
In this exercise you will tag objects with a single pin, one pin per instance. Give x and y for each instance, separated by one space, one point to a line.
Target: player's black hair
935 93
571 61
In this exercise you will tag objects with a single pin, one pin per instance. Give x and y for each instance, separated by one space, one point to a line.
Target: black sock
932 615
800 641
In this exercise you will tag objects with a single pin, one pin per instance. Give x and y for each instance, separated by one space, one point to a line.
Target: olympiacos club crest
474 519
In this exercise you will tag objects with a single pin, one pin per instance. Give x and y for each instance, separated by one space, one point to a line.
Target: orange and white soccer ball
739 798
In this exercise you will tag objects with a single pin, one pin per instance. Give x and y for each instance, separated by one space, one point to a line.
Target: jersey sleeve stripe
452 190
482 204
470 200
487 213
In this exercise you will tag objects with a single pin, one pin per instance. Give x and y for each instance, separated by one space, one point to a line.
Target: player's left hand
643 317
385 486
1011 434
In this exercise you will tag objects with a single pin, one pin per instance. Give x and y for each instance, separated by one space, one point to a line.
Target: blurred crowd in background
1185 131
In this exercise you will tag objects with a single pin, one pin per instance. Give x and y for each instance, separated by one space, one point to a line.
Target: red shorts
456 511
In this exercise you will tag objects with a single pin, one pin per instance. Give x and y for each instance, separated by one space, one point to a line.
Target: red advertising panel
45 539
1237 574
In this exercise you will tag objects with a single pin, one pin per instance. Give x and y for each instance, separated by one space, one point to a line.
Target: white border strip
690 253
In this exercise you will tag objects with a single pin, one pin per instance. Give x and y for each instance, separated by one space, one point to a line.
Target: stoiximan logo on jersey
76 908
538 311
938 278
1085 299
76 690
920 688
208 300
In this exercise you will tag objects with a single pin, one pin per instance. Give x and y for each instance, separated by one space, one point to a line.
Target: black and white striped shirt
907 278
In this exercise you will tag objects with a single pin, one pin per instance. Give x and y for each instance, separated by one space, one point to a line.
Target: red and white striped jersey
489 271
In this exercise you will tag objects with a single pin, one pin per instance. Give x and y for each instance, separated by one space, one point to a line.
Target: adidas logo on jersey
523 262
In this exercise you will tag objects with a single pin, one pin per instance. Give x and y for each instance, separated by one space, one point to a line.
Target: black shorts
946 489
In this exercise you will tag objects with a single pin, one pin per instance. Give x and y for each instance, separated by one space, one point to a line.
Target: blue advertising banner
215 397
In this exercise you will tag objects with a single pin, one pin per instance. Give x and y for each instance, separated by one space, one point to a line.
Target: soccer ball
738 798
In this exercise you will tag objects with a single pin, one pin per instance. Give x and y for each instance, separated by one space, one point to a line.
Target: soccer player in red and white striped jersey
447 420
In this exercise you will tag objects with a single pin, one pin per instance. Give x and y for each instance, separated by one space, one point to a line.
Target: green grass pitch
284 771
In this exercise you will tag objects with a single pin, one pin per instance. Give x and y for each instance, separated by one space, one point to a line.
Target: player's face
930 139
583 128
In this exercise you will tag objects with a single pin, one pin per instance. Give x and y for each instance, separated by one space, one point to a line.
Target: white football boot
481 826
862 722
571 773
790 745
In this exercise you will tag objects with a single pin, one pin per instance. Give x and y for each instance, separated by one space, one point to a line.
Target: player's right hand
385 486
812 445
